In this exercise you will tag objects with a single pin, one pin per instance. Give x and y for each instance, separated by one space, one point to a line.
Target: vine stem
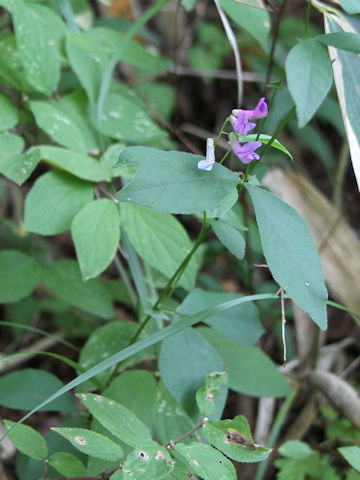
172 443
171 285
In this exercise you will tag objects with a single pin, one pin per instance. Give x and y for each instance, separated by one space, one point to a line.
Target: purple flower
246 153
241 123
209 161
260 111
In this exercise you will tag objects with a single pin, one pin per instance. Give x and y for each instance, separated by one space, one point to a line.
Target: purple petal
242 125
246 152
260 111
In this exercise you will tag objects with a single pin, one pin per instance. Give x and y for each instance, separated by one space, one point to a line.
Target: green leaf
205 396
91 443
148 460
19 167
20 274
253 20
38 33
152 232
105 342
240 324
350 6
265 139
233 438
54 200
250 370
352 455
10 144
63 279
130 389
120 421
160 97
90 52
206 462
24 389
225 205
309 77
9 116
78 164
343 40
296 449
67 464
64 122
123 119
96 233
346 67
111 158
27 440
184 362
11 69
171 420
149 341
290 253
170 182
230 237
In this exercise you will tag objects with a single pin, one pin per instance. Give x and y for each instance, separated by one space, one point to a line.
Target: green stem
106 79
172 283
275 430
221 131
124 277
307 19
274 42
225 156
340 173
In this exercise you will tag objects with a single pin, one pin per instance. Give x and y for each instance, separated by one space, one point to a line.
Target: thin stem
340 172
274 42
225 156
124 277
221 131
172 443
170 286
307 19
283 323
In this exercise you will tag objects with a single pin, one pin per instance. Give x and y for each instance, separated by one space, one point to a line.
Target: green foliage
54 200
309 76
28 441
151 232
24 389
205 396
352 455
20 274
290 253
170 182
67 464
95 231
91 443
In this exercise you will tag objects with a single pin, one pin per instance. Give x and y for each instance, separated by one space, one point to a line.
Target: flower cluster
240 122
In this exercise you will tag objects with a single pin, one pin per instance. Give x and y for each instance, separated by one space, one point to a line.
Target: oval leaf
250 370
148 460
91 443
9 116
67 464
291 253
19 167
26 388
170 182
20 274
96 233
233 438
120 421
152 232
309 77
63 279
53 201
206 461
230 237
78 164
27 440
